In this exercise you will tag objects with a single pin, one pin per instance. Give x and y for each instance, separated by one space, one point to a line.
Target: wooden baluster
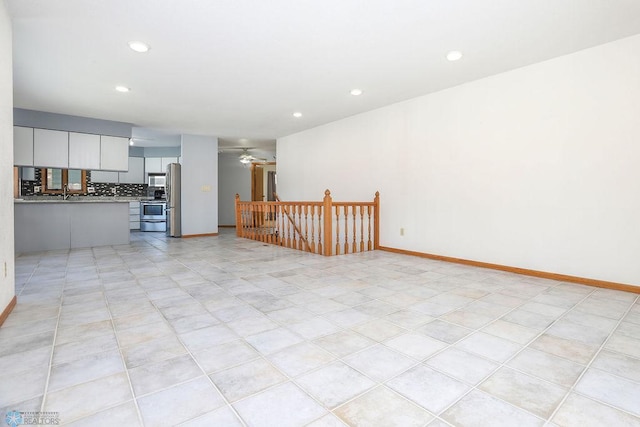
369 233
247 229
320 231
346 226
246 221
263 215
254 211
254 221
284 227
296 235
268 228
313 234
259 222
278 225
354 246
274 222
301 244
361 228
265 223
280 222
289 234
299 223
306 224
337 230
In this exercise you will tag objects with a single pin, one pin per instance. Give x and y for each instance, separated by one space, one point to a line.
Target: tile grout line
341 328
500 364
228 404
524 346
55 336
122 359
593 358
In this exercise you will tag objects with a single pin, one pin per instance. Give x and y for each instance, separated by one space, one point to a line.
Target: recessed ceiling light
454 55
297 114
356 92
122 89
139 46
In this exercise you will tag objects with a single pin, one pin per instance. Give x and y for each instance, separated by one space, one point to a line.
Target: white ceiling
239 69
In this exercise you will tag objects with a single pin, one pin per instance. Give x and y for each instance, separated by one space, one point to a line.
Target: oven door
153 211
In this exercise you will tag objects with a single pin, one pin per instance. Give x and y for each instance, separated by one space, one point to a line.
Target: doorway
263 181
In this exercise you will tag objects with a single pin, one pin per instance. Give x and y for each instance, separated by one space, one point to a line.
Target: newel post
376 222
328 232
238 217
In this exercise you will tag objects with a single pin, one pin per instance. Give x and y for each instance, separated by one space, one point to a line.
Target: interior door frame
254 170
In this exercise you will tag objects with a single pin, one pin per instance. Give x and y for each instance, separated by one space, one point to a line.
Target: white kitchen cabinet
135 173
134 215
84 151
165 161
22 146
114 153
50 148
152 165
158 164
104 176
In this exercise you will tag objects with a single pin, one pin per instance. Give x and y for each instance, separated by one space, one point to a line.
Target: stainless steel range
153 215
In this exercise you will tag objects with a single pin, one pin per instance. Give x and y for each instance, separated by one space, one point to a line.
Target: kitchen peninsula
42 225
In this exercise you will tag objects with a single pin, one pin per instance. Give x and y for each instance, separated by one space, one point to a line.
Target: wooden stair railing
295 226
309 226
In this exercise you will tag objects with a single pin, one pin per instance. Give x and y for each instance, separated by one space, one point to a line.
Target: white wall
7 281
536 168
199 185
233 178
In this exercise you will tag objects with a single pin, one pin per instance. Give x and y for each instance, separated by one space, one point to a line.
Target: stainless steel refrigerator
172 193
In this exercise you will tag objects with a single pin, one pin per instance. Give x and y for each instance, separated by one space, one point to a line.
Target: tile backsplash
101 189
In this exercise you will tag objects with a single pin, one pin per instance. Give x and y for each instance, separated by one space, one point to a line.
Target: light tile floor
223 331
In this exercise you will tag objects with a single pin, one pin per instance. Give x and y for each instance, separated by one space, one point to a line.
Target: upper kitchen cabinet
84 151
22 146
165 161
158 164
114 153
50 148
135 174
153 165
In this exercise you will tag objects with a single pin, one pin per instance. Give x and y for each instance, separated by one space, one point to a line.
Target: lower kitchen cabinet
134 215
44 226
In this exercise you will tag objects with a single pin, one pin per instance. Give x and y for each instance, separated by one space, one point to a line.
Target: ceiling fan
245 157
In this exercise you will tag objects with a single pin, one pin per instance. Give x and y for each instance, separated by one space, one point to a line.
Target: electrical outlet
402 231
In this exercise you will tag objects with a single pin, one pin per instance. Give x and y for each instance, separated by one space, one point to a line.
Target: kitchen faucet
65 196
